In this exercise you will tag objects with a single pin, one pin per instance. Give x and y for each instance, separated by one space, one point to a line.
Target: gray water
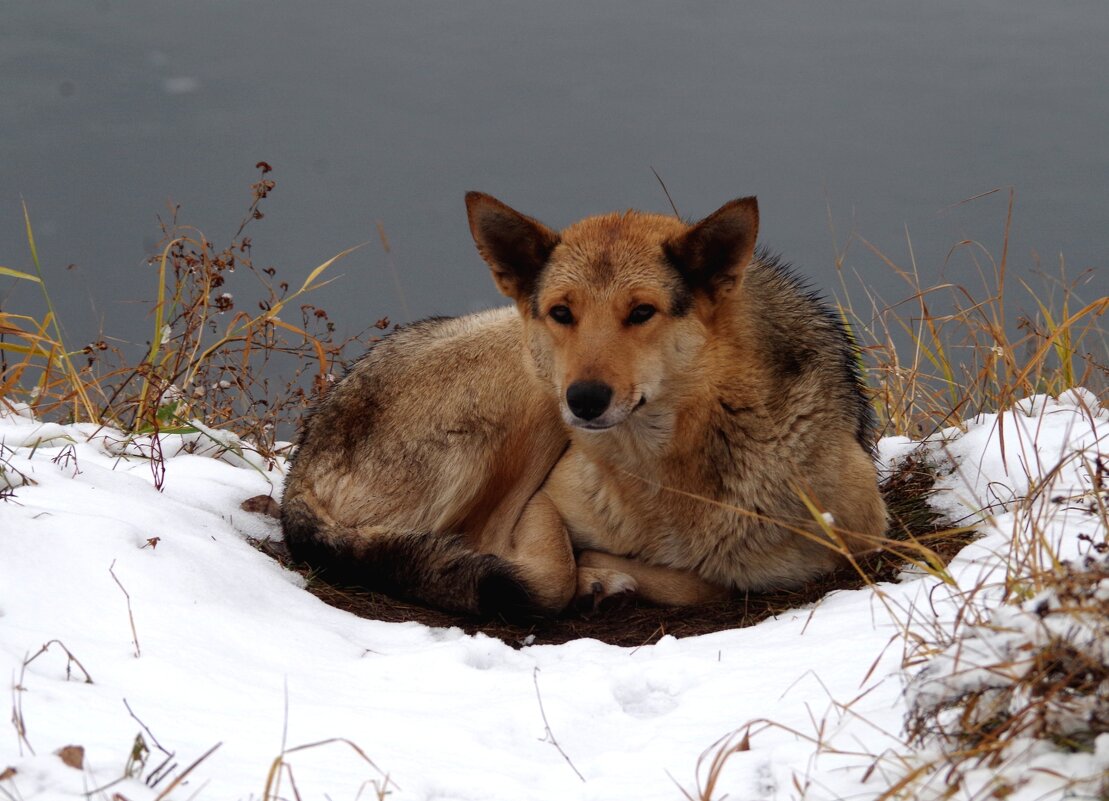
862 117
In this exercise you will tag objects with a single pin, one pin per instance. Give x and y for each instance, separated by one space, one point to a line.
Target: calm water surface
851 117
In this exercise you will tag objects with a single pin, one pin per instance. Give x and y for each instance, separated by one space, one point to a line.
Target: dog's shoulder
806 338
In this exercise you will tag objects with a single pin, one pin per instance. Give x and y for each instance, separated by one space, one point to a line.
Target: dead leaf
72 755
152 542
7 774
263 505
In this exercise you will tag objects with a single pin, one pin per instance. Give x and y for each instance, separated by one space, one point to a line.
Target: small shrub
212 356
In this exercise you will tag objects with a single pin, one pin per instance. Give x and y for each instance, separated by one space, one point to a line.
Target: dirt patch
914 523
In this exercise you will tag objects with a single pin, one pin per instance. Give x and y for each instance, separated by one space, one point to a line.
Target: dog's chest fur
711 508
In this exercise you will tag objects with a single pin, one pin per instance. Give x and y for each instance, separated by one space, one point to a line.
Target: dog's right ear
516 247
713 254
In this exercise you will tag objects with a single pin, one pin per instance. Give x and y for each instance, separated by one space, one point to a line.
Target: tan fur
732 404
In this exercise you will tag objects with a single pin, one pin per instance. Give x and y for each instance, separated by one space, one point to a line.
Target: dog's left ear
713 254
515 246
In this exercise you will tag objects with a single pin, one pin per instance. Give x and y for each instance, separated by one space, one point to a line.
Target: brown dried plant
249 366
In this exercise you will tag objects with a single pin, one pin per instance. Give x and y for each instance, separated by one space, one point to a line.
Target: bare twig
550 738
666 192
157 462
181 776
164 769
70 659
130 614
146 729
17 711
18 688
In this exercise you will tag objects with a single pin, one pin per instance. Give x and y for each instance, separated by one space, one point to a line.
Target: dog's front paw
600 587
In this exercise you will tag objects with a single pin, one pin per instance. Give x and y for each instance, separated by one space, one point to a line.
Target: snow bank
193 638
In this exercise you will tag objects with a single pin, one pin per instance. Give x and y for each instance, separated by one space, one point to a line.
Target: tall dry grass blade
30 351
76 384
1093 309
159 323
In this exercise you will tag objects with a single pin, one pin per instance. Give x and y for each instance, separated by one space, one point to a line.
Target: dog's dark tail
439 570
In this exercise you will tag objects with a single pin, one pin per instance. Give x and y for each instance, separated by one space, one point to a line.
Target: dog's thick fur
663 412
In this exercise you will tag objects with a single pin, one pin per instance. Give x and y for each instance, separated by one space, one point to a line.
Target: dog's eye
641 314
561 315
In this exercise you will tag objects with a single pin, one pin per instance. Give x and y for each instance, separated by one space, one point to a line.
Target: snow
997 660
168 607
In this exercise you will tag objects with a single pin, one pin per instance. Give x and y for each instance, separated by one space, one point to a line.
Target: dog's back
416 452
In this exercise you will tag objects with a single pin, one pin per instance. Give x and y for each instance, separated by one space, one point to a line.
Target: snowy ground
231 651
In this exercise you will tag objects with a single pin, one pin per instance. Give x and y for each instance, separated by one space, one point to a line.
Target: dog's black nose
588 399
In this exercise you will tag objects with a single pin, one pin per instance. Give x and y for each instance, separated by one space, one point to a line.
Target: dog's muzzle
588 400
590 407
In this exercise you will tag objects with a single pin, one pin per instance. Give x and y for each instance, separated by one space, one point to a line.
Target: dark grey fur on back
800 328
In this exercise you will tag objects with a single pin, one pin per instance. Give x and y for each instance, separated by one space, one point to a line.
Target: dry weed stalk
210 356
10 477
549 736
19 722
967 352
282 767
130 613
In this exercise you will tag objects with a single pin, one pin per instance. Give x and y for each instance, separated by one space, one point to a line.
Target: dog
663 411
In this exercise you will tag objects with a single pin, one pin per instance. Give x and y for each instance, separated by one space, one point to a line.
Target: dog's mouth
610 419
593 425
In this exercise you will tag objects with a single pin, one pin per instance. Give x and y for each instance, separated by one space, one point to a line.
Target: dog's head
616 307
